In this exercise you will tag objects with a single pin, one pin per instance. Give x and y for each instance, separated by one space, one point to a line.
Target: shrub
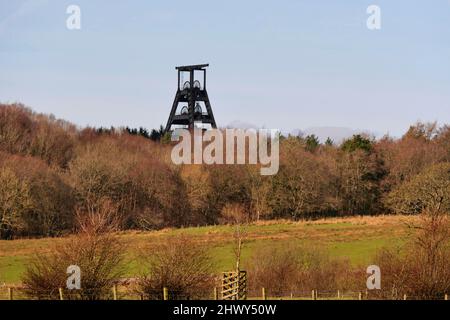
95 249
421 269
179 264
296 269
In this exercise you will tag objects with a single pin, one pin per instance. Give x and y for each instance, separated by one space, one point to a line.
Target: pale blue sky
281 64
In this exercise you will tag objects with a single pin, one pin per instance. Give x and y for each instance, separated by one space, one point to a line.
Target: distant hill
337 134
237 124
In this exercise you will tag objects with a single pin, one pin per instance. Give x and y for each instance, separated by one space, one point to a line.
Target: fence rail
122 292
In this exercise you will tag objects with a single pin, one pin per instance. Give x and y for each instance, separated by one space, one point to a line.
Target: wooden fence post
404 297
216 295
360 296
114 290
339 294
10 293
165 293
446 297
264 297
313 295
61 297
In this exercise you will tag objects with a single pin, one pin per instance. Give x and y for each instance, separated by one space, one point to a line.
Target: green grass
11 268
355 239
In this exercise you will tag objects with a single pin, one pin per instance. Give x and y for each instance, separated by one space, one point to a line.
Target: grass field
356 239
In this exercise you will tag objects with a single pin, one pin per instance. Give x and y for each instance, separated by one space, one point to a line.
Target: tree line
51 171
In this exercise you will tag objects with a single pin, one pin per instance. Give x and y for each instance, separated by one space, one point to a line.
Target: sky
286 64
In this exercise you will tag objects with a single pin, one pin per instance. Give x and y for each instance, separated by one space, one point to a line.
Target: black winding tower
189 95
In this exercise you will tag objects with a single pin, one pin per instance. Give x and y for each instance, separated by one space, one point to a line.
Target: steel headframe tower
191 93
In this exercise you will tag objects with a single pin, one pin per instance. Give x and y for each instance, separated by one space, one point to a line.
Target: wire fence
122 292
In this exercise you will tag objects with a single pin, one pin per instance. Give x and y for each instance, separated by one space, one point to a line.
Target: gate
234 285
